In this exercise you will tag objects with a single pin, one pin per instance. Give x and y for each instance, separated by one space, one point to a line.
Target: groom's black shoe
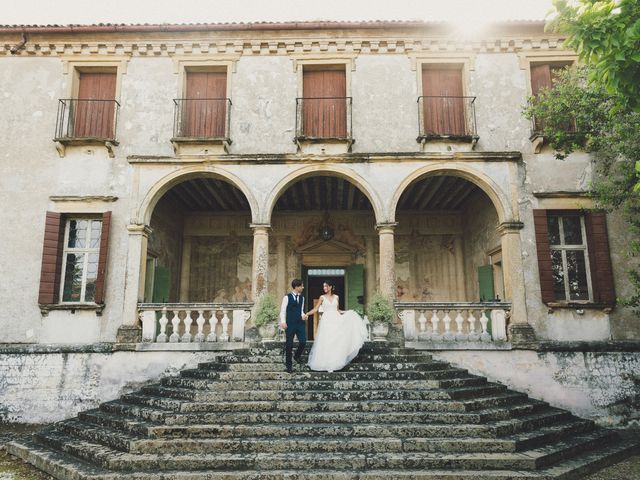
289 369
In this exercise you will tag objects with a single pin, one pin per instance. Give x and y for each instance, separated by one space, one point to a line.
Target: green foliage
608 128
380 309
267 311
606 36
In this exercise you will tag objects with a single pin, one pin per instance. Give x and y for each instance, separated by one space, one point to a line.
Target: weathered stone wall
47 387
603 386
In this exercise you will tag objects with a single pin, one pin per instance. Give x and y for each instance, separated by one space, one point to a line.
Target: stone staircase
392 413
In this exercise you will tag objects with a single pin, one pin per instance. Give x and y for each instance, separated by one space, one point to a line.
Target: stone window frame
183 63
72 66
466 61
525 60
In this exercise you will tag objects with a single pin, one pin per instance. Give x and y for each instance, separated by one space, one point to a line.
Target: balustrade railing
461 322
194 322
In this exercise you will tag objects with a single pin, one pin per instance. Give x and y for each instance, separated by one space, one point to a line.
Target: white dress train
339 338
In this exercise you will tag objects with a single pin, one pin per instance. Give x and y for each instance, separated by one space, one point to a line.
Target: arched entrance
323 227
200 246
448 247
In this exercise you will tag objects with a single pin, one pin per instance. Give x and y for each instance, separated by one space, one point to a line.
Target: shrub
267 311
380 309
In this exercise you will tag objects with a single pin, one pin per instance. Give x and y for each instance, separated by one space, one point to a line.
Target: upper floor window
543 76
324 110
203 111
444 109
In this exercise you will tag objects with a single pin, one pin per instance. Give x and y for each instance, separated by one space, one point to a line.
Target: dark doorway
313 291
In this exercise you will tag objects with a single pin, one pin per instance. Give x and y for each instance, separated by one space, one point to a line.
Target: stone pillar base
521 334
129 334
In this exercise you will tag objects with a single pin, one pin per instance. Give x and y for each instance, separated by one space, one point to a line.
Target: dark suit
295 327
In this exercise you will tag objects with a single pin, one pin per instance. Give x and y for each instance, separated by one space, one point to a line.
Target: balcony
325 121
537 132
86 122
447 118
201 123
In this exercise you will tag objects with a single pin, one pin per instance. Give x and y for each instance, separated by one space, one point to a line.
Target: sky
211 11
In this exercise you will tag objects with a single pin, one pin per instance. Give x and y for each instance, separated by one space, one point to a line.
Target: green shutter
485 282
355 287
161 284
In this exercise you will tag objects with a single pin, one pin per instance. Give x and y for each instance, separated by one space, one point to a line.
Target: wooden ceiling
437 193
320 193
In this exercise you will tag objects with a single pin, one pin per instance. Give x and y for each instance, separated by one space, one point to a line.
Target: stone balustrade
193 322
459 323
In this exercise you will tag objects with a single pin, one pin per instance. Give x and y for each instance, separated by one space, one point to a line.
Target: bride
340 334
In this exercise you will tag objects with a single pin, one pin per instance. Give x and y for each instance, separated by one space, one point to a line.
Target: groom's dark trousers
295 327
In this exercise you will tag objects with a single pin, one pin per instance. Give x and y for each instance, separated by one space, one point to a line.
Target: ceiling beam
418 190
473 188
306 193
187 193
199 187
434 189
452 199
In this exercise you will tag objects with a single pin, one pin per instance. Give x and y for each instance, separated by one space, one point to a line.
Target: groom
292 319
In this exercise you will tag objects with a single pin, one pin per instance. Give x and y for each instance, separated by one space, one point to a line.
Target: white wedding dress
338 339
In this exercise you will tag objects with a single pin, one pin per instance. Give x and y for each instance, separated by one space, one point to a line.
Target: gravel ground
12 468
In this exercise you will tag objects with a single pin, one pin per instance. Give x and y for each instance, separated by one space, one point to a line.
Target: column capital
510 227
139 229
386 227
260 227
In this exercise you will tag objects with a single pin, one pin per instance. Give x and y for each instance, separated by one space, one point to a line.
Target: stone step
352 367
119 461
63 466
443 374
521 412
467 388
361 358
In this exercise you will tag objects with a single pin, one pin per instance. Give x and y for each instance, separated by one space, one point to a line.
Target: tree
606 36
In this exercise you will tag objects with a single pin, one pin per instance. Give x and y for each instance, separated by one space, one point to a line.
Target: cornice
217 43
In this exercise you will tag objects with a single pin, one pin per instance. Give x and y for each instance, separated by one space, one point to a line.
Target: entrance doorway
313 279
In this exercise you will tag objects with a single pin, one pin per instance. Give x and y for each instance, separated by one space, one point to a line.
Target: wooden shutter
102 257
51 259
540 77
205 107
443 106
545 270
599 258
355 286
95 118
325 103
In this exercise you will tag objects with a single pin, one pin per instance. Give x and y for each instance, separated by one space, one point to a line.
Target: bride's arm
315 309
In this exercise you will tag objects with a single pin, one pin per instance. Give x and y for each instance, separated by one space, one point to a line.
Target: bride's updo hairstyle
332 285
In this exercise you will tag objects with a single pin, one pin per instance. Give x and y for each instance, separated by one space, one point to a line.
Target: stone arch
162 186
323 170
498 198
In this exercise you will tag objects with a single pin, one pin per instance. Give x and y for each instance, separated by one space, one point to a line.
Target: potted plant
267 314
381 314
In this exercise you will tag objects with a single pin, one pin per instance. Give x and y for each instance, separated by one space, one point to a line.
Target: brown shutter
102 257
540 77
95 118
51 259
599 258
325 108
544 255
205 107
443 103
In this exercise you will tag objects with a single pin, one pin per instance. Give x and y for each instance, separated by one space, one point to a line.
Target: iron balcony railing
323 118
447 117
201 118
80 119
538 126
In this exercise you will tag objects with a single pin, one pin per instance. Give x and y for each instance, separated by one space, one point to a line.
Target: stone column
461 285
260 265
185 269
136 265
387 259
520 331
281 274
370 267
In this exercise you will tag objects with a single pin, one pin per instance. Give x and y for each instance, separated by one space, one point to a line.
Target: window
324 104
573 257
203 110
543 76
74 259
443 108
80 259
569 257
93 110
